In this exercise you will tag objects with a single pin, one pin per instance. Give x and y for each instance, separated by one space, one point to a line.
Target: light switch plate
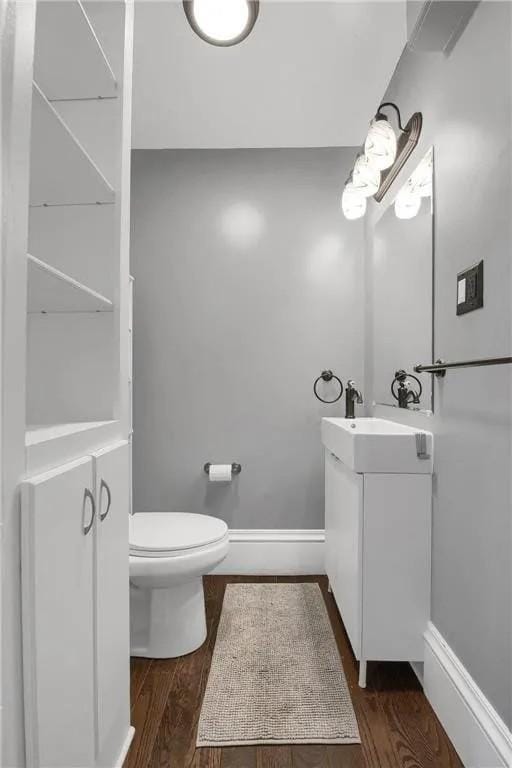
470 289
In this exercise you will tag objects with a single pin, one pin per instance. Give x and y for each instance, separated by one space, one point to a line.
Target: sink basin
377 445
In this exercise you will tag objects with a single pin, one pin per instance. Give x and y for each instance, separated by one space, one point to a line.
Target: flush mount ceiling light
222 22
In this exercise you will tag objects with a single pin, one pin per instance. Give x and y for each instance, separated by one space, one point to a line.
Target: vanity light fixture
365 176
380 144
222 22
419 185
407 203
384 154
353 203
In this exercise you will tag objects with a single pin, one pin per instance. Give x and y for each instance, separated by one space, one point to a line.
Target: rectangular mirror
402 288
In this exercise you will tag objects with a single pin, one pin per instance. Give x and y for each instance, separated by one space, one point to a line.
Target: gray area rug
276 675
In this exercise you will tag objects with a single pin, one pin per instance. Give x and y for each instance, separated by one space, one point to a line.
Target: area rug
276 675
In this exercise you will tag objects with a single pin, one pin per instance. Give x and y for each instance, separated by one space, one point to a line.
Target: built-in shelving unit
50 290
76 291
62 173
74 65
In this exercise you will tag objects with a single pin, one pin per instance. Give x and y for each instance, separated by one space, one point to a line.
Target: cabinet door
112 632
57 616
343 532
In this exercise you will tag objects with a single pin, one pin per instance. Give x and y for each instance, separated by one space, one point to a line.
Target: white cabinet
58 616
112 602
75 612
378 559
343 536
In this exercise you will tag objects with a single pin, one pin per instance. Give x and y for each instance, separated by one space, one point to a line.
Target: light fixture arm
391 104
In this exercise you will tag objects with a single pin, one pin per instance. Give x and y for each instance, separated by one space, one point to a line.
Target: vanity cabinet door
343 532
112 632
57 616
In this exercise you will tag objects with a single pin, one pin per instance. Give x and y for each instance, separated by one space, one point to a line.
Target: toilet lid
172 531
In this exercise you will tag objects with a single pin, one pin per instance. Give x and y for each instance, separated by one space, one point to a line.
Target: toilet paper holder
235 468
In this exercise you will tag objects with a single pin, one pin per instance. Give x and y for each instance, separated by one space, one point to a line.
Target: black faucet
406 394
352 396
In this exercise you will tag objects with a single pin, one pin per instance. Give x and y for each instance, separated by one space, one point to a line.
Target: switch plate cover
470 289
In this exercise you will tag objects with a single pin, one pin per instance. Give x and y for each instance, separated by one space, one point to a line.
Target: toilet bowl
170 552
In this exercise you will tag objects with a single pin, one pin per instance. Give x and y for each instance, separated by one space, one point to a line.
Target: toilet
170 552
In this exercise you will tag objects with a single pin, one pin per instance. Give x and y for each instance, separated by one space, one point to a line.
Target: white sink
377 445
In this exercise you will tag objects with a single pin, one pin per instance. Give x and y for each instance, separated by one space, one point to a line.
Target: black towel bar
439 368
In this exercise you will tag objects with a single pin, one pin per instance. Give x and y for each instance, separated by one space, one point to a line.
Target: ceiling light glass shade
407 203
365 177
380 144
353 203
222 22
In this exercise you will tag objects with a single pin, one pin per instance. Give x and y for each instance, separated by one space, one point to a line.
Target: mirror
402 288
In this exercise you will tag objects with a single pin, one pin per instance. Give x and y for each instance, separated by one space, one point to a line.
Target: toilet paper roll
220 473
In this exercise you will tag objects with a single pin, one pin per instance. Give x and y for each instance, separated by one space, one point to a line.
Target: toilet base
166 623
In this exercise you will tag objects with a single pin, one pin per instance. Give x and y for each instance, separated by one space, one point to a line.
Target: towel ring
327 376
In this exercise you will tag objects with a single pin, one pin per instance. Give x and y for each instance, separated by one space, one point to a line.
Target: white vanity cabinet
75 612
377 530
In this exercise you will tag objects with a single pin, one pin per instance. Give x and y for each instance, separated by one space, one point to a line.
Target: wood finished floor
397 725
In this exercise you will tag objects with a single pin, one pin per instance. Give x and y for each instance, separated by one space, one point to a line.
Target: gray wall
248 282
465 100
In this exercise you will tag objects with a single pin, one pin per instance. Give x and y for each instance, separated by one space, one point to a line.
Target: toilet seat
171 534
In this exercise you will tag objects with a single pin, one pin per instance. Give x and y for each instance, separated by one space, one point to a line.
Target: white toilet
170 552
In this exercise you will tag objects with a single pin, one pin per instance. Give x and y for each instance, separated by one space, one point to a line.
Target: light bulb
353 203
365 177
407 203
380 144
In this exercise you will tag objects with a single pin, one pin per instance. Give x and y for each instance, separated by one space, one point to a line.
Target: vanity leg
362 673
329 588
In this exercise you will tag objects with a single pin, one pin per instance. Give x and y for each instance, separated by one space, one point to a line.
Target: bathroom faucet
406 395
352 395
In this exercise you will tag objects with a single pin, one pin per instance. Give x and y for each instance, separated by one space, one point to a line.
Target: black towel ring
327 376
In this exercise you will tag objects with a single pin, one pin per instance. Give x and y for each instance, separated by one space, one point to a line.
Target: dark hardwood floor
398 727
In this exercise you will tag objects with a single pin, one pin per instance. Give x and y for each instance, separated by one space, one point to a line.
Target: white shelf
50 290
42 433
61 171
69 61
49 445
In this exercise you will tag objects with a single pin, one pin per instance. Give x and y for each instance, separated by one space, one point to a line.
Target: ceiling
309 75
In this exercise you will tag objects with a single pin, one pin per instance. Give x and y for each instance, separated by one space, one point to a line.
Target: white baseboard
275 552
477 732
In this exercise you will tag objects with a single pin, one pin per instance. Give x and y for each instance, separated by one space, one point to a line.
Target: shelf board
42 433
61 171
48 445
69 62
50 290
